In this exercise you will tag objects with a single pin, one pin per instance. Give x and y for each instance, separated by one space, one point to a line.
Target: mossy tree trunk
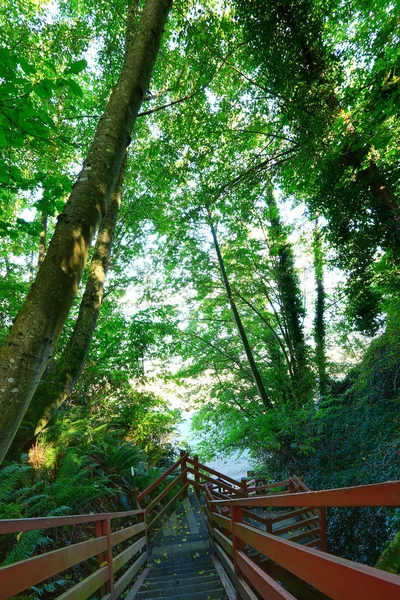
32 338
319 321
55 389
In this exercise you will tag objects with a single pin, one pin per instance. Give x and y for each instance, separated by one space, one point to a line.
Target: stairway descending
187 579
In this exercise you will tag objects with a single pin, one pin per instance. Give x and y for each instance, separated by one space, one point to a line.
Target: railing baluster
183 470
236 517
107 531
101 557
196 475
322 528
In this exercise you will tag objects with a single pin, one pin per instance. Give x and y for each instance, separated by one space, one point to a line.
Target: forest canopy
204 197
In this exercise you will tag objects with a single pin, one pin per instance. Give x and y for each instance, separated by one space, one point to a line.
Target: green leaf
26 67
74 87
78 66
3 140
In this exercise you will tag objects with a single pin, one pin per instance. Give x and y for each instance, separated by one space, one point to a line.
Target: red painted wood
264 584
18 577
165 491
155 483
269 486
216 473
18 525
338 578
225 486
378 494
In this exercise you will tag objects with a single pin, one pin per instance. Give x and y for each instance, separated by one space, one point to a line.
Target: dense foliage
255 262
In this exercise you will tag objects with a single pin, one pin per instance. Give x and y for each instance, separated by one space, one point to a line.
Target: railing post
107 532
183 468
243 482
103 528
196 475
238 544
291 486
322 528
102 556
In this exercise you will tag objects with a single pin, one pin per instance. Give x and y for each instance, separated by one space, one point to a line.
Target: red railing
254 557
330 575
20 576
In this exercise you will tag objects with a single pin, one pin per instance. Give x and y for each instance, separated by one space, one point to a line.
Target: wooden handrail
157 482
336 577
18 525
378 494
216 473
226 486
165 491
269 486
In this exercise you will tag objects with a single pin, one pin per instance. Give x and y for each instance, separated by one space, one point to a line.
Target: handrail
239 484
18 525
19 576
157 482
378 494
226 486
336 577
268 486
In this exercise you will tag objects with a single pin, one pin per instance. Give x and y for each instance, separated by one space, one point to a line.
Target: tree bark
32 338
319 322
246 345
42 239
55 389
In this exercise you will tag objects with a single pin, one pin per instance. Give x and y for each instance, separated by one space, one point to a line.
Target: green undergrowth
81 464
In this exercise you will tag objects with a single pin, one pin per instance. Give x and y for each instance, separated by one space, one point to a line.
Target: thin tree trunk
42 239
55 389
32 338
319 323
247 348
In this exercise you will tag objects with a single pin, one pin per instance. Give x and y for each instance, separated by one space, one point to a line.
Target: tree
32 338
56 387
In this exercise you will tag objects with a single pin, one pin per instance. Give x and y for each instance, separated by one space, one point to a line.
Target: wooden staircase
226 539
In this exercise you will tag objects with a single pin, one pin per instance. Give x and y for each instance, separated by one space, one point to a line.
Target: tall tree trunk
32 338
292 309
42 239
55 389
319 322
246 345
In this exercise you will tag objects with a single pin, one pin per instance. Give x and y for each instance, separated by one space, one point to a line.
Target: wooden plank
304 535
313 543
22 575
127 554
293 526
268 486
123 534
223 521
226 562
216 473
127 577
86 587
155 483
245 590
166 507
289 515
225 542
18 525
264 584
165 491
255 517
378 494
226 486
338 578
137 585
